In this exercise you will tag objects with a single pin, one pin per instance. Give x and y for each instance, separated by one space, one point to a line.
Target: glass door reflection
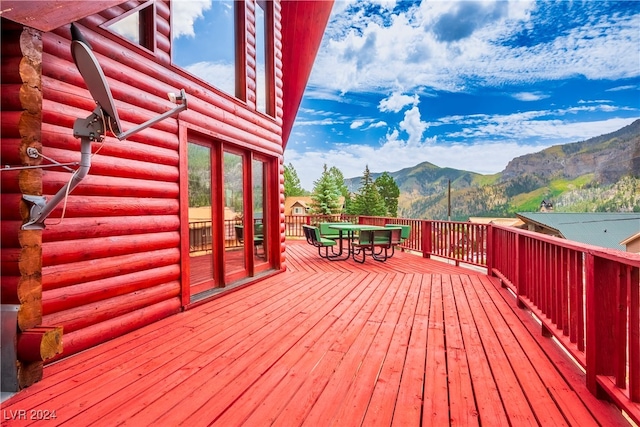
234 218
258 171
200 226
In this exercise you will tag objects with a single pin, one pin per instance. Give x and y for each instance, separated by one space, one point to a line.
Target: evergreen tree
389 191
292 186
338 177
325 199
368 201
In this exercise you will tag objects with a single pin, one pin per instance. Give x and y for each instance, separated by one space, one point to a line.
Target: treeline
330 195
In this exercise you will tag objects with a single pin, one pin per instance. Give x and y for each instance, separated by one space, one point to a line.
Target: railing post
600 318
520 268
426 239
490 249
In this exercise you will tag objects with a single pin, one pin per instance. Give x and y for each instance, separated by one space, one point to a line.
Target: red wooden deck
408 342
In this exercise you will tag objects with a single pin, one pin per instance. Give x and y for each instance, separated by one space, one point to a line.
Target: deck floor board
408 342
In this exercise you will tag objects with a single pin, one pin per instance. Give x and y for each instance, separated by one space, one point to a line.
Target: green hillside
601 174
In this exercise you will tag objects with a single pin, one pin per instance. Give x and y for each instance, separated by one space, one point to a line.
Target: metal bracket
37 203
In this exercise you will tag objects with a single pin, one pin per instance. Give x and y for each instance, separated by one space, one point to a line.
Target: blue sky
468 85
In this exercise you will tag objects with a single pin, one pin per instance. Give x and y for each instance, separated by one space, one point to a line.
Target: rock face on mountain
599 174
609 157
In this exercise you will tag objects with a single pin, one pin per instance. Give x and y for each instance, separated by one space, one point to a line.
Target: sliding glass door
201 241
228 214
235 223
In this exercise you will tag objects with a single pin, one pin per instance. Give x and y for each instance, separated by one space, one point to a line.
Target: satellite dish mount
91 128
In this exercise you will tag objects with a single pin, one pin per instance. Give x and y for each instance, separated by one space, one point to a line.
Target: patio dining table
347 232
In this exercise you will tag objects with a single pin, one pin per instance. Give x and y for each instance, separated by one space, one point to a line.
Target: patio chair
400 234
258 239
312 234
327 232
376 243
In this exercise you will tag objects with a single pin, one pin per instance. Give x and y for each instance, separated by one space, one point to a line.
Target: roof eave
58 12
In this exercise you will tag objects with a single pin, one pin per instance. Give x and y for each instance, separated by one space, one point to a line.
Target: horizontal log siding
113 263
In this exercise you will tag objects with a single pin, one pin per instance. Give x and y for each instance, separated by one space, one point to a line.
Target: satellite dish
94 79
91 128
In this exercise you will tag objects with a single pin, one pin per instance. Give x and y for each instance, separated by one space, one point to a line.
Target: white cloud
445 45
221 75
529 96
184 15
486 157
379 124
413 125
356 124
620 88
397 101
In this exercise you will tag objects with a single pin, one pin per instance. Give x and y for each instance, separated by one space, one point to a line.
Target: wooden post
601 275
426 239
490 249
520 268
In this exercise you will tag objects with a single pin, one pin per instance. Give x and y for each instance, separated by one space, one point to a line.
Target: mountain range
601 174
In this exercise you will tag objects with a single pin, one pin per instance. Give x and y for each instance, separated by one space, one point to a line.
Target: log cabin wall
111 262
20 251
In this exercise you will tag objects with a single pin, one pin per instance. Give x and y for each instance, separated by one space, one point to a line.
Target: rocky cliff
599 174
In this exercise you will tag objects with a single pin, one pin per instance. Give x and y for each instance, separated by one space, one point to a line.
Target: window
137 25
204 41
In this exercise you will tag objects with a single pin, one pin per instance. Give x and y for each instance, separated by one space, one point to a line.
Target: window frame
147 28
269 44
240 42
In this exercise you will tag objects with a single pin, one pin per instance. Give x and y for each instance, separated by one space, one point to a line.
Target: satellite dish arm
182 105
88 130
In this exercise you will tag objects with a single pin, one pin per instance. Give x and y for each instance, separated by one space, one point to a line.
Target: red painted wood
85 228
64 252
301 37
9 288
504 374
63 275
103 206
88 337
462 407
382 403
276 351
633 288
185 281
435 406
117 167
99 290
490 410
78 317
620 326
58 12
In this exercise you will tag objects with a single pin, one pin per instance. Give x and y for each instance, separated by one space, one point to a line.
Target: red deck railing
587 297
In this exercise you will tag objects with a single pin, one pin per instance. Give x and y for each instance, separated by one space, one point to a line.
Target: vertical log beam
30 180
25 45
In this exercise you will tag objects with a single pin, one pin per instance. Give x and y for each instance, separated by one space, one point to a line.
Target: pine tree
368 201
389 191
292 186
337 175
325 199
